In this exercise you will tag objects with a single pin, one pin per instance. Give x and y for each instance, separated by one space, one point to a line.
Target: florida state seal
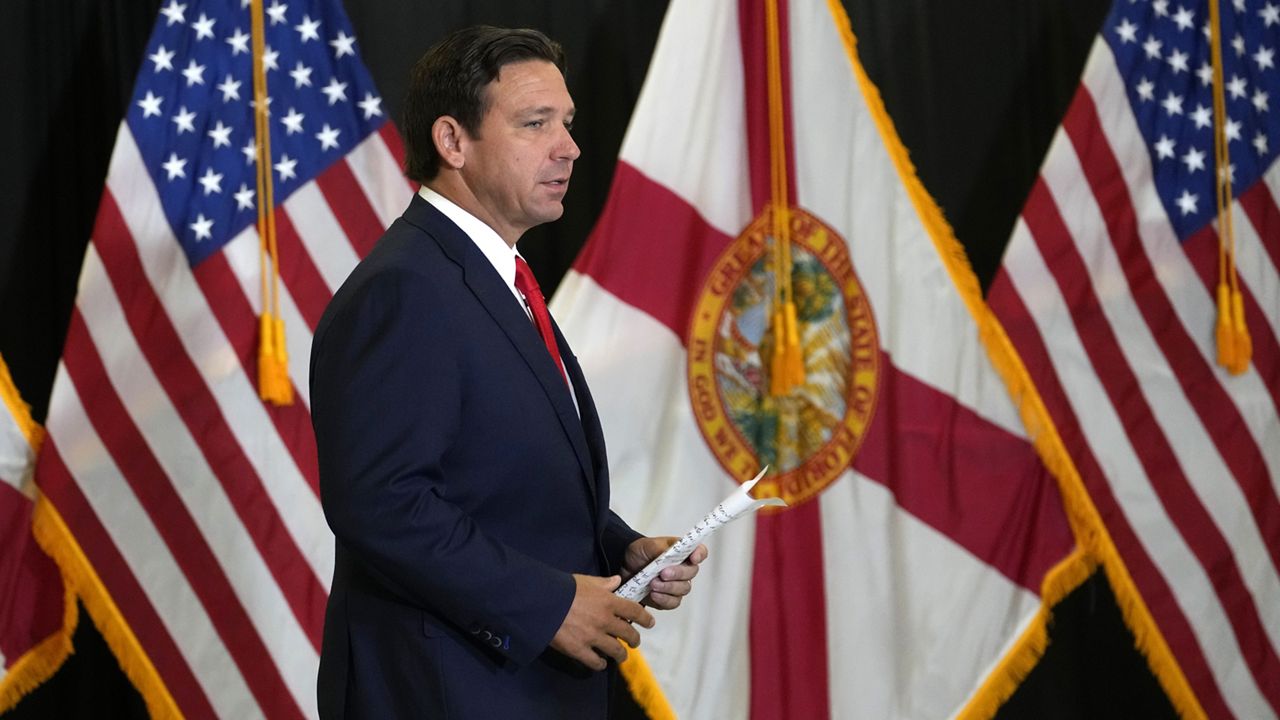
811 433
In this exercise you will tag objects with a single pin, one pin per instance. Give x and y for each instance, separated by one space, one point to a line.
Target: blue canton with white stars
192 109
1162 51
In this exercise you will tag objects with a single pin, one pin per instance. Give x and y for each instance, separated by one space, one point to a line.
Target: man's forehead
531 86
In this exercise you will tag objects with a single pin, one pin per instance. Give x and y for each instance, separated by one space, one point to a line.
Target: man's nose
566 148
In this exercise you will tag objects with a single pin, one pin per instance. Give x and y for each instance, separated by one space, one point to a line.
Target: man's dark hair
450 79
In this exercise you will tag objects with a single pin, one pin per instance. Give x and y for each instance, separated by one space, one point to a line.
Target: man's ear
448 136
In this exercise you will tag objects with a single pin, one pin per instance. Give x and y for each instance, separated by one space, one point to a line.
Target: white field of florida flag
906 578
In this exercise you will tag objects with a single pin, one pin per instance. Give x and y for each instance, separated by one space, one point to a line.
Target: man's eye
535 124
569 126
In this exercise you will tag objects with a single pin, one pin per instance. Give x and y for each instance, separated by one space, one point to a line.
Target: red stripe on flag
1021 329
235 315
173 520
126 594
788 636
1200 384
159 343
1259 204
350 206
951 468
1144 433
307 286
651 249
32 607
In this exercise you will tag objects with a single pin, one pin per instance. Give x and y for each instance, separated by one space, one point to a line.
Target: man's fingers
699 554
677 588
663 601
633 612
610 647
625 632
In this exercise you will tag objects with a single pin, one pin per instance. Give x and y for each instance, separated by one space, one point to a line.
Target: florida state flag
771 284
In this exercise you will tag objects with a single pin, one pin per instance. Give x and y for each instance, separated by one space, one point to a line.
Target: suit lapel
494 295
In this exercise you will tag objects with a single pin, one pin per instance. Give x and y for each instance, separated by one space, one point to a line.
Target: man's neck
453 188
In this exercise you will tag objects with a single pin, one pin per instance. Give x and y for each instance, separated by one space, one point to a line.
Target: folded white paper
738 504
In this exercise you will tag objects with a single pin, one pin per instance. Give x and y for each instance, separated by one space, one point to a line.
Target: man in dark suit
462 463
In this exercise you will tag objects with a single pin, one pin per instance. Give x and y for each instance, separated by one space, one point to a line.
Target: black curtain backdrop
976 90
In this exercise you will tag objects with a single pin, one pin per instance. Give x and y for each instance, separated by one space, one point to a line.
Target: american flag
190 518
1108 292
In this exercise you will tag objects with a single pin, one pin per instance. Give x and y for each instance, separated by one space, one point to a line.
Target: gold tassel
1243 343
778 360
794 355
273 362
1223 331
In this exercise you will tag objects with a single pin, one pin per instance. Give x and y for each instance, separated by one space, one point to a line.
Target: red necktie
528 286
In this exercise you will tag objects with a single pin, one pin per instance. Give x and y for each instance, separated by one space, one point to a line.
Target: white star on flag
150 105
328 137
293 121
211 181
162 58
1194 160
230 89
286 168
202 227
307 29
276 11
1187 202
184 120
174 13
203 27
301 75
370 105
239 42
175 166
343 44
194 74
335 91
221 135
244 198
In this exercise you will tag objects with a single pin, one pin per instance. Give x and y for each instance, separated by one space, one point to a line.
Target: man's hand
597 619
673 583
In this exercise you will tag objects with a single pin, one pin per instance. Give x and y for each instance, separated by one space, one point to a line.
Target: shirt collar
501 255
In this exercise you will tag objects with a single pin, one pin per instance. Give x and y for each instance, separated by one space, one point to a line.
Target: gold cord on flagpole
274 385
1235 347
786 368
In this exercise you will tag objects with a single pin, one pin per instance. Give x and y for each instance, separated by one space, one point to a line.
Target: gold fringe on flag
1095 546
1235 347
274 385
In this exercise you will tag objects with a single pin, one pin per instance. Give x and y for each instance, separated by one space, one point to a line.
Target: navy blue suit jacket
462 487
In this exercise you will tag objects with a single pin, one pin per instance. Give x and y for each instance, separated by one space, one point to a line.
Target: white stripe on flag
321 234
378 174
180 456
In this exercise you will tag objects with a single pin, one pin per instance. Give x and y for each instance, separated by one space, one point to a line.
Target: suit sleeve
386 401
